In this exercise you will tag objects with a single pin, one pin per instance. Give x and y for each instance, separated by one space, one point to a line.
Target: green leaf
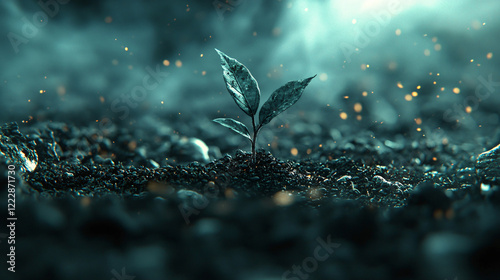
282 99
240 84
235 125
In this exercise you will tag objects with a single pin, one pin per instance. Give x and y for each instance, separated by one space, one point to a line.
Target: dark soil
98 207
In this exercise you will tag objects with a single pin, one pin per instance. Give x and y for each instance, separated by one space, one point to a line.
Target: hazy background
415 59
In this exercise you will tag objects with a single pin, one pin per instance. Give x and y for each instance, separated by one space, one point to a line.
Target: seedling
246 93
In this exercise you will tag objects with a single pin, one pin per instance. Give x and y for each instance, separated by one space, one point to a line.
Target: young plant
246 93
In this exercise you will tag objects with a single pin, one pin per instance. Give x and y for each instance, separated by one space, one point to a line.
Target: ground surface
117 204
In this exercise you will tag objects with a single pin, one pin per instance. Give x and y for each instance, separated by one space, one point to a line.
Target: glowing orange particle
358 107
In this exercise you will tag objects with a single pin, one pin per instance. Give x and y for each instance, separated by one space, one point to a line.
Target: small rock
190 149
254 178
488 164
192 199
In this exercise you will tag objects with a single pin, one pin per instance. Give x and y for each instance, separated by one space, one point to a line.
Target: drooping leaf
241 84
281 99
235 125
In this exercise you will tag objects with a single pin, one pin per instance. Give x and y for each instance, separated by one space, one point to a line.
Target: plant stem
254 156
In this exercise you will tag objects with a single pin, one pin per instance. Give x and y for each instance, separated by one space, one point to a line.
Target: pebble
488 164
190 149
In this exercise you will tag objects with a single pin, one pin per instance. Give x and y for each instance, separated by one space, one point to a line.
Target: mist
83 61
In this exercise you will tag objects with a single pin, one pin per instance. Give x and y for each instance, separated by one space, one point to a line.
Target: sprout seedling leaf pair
246 93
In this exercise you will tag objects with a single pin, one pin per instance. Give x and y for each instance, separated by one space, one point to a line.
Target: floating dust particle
178 63
358 107
229 193
294 152
408 97
489 55
418 121
276 31
343 115
85 201
283 198
427 52
449 214
398 32
438 214
160 188
132 145
61 90
456 90
274 144
476 24
166 62
392 65
399 85
414 94
108 19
